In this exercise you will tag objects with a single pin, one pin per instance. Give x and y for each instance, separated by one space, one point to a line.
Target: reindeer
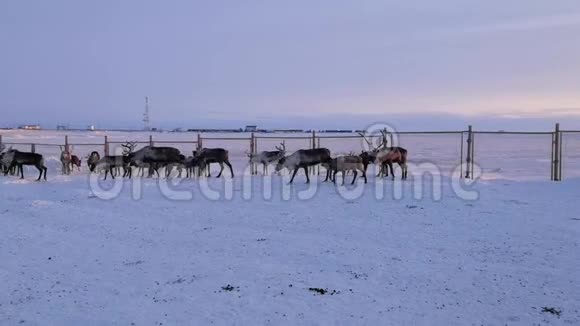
109 163
268 157
191 163
385 156
303 158
155 157
75 161
394 155
65 159
206 156
114 163
5 162
19 159
344 164
92 160
179 165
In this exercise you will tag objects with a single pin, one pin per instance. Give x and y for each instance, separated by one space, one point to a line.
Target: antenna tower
146 125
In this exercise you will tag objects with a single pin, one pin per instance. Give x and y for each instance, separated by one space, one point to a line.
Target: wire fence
499 154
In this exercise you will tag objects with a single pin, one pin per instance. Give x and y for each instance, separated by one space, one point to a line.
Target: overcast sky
201 62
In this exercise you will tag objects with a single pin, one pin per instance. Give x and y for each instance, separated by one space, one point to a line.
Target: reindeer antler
366 140
282 148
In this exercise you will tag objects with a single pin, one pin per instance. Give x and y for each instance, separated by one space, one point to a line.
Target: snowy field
498 252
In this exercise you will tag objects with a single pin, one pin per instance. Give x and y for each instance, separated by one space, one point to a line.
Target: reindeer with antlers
268 157
385 156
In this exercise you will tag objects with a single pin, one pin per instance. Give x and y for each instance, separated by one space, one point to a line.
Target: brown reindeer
385 156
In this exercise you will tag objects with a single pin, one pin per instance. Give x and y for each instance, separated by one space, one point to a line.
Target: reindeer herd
154 159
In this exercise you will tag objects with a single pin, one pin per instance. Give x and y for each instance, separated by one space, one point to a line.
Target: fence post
318 166
199 141
33 148
468 157
557 154
151 140
252 151
106 145
313 147
66 146
0 140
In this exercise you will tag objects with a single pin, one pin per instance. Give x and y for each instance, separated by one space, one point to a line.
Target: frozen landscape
497 252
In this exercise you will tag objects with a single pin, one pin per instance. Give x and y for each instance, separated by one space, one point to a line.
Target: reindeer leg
392 172
306 172
294 174
354 177
21 169
364 173
230 166
45 169
221 169
39 168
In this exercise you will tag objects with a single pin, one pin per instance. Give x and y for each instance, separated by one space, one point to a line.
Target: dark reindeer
92 160
206 156
19 159
344 164
75 161
156 157
110 163
192 163
304 158
268 157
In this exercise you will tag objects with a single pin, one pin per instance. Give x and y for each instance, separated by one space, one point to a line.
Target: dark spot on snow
552 311
230 288
49 258
133 263
322 291
261 240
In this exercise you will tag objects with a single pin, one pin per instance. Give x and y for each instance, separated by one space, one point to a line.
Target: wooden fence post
151 140
199 142
0 140
106 145
66 146
33 148
468 156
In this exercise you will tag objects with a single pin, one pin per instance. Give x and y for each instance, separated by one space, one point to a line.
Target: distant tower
146 125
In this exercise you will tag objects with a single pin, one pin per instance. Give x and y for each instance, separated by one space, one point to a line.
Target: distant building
91 128
29 127
251 128
61 127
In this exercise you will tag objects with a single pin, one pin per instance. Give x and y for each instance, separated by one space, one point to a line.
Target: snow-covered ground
70 258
